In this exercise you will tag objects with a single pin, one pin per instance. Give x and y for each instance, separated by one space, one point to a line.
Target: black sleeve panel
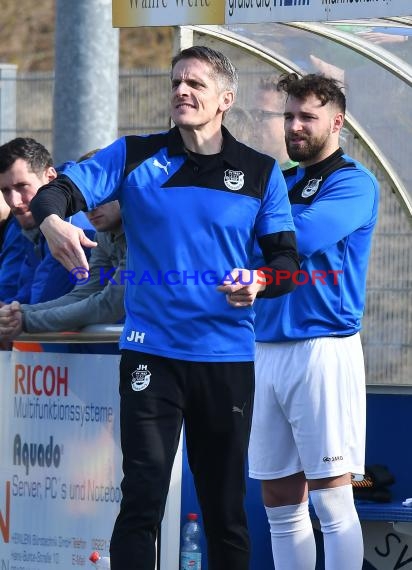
139 149
281 256
60 196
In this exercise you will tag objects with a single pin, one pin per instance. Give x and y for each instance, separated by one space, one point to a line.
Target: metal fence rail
32 94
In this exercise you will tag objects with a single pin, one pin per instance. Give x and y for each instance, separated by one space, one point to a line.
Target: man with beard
308 428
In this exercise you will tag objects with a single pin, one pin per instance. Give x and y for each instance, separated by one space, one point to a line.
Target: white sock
339 522
293 541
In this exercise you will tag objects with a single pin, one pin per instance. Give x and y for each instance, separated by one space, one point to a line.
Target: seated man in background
25 165
268 114
241 125
98 298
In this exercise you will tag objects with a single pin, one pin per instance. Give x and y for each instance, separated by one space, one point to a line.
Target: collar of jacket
229 153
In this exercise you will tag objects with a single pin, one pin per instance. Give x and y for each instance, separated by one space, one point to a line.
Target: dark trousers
215 401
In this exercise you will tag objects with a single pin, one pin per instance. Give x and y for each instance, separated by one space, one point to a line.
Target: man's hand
242 286
11 321
66 241
328 69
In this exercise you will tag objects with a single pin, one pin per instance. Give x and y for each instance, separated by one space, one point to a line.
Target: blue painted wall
389 442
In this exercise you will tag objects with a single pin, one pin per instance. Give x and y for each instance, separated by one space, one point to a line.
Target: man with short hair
308 428
193 199
98 299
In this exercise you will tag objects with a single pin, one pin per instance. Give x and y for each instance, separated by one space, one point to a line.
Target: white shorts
310 409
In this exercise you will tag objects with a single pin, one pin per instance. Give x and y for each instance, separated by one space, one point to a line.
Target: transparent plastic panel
381 104
377 98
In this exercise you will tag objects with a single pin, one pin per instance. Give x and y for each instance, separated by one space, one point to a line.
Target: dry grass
27 39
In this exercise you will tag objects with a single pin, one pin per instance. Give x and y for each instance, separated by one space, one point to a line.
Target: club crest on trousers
140 378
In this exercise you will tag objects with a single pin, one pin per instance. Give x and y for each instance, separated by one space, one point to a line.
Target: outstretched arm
55 201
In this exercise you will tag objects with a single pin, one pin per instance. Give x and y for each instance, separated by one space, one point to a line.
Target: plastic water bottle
101 562
190 551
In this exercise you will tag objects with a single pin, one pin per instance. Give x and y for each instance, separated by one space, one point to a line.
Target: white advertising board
60 466
387 545
134 13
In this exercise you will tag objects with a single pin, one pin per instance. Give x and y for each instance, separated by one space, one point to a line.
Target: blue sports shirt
334 207
12 252
189 220
40 276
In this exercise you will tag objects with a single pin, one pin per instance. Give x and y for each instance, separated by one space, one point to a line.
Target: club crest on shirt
234 179
140 378
311 187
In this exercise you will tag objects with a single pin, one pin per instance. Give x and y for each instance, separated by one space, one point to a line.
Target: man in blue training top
26 165
193 200
308 429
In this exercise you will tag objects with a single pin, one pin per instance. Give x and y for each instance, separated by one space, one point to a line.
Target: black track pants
215 401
